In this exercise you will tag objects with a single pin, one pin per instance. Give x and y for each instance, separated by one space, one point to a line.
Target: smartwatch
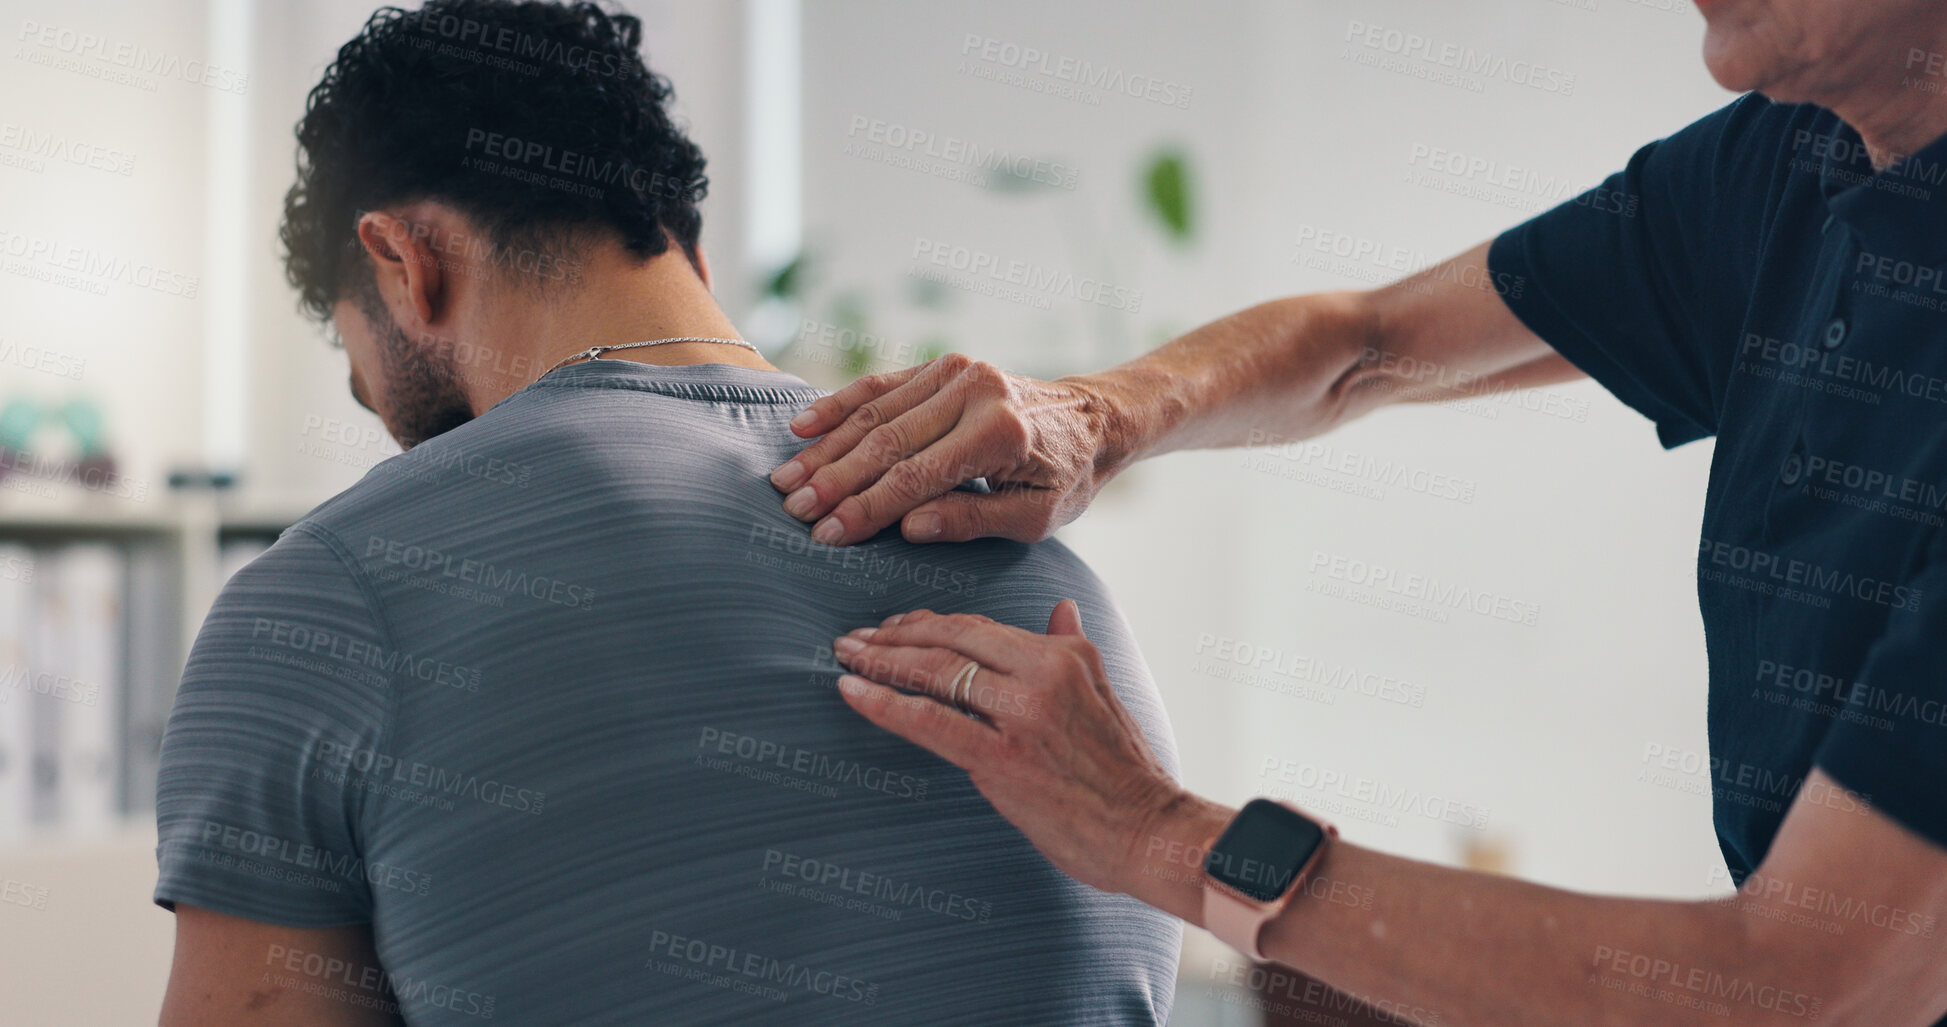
1252 869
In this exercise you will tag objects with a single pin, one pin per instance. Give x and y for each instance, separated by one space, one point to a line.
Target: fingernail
805 419
799 503
924 527
848 646
851 685
865 633
788 476
894 619
828 531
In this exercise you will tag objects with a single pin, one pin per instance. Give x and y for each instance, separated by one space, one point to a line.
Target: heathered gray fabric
549 702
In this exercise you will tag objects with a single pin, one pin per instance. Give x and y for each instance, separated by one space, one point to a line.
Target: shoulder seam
332 542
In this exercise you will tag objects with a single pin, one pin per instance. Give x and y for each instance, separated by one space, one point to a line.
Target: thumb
952 517
1066 620
965 516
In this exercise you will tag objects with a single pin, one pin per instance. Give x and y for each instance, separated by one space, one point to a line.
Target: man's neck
1895 127
1884 88
617 302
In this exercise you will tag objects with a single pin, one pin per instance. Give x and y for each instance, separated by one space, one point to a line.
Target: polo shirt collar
1901 210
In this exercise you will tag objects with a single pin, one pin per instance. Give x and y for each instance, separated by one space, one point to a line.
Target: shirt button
1793 469
1835 332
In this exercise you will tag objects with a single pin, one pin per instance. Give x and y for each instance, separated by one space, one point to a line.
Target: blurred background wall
1160 165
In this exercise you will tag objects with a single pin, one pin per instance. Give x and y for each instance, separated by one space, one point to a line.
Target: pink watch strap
1238 921
1235 920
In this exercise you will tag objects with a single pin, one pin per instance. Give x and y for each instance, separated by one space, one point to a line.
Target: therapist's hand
895 445
1054 750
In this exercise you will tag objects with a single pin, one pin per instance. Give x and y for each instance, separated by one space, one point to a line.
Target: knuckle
856 510
1024 521
1038 520
954 363
971 519
867 417
985 375
880 664
874 664
826 481
907 479
942 666
1010 430
1071 662
887 442
913 675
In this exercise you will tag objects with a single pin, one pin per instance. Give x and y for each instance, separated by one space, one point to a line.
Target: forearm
1435 944
1297 367
1276 369
1480 949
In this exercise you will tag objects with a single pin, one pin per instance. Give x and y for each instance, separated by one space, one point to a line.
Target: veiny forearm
1276 369
1462 948
1434 945
1297 367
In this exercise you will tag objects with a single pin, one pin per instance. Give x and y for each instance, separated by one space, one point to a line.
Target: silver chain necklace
595 352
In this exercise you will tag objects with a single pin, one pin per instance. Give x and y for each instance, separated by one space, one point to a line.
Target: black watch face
1262 850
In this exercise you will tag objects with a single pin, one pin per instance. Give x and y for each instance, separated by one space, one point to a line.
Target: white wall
1542 727
1539 730
122 239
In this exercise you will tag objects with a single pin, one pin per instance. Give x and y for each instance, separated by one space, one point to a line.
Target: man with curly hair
537 722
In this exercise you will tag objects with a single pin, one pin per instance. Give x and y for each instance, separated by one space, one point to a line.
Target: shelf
173 515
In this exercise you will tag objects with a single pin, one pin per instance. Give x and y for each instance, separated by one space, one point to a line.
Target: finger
896 461
1065 622
934 672
998 647
1066 619
847 415
897 617
1021 513
936 727
925 472
828 412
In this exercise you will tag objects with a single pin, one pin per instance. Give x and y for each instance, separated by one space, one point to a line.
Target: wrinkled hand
1054 750
895 445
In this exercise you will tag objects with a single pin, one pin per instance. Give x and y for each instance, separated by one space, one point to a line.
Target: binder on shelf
88 685
16 697
46 625
152 616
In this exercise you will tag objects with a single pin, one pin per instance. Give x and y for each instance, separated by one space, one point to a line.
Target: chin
1740 63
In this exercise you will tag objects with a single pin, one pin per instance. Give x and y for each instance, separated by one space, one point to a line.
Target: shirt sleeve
285 679
1888 742
1642 282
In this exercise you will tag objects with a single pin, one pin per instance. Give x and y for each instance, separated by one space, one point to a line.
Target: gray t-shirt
549 701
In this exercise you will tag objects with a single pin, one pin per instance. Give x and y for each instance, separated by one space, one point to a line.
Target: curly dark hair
537 120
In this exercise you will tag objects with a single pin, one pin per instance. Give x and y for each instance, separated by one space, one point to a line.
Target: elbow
1789 972
1357 371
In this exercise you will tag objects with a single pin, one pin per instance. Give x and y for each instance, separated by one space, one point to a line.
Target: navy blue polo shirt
1751 277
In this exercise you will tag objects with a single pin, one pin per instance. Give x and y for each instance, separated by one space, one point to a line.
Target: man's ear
405 268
